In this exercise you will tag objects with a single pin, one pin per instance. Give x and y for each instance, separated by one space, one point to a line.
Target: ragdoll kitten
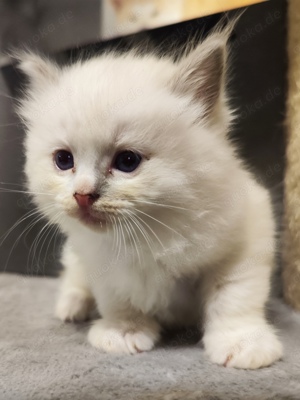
128 155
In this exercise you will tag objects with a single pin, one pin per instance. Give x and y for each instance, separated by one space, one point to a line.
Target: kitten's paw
251 348
122 337
74 305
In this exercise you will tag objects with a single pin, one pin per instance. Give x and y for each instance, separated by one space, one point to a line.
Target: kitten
128 155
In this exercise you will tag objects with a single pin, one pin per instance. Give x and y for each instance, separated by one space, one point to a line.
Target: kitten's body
188 235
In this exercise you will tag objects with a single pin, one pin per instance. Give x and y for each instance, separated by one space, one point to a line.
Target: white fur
207 247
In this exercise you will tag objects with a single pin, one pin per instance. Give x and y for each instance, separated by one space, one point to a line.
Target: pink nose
86 200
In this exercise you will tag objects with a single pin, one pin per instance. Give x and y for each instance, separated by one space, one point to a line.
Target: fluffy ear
39 70
201 72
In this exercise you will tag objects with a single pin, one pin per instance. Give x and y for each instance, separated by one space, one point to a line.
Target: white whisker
143 232
112 221
134 236
44 233
128 227
6 190
35 221
151 230
160 205
123 236
29 214
12 183
36 241
162 223
7 96
119 244
50 239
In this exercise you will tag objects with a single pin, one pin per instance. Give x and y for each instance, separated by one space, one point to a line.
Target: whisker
50 239
33 247
44 233
151 230
129 233
18 222
134 235
162 223
57 231
143 232
12 183
160 205
29 214
118 239
9 97
123 236
6 190
112 221
19 238
11 124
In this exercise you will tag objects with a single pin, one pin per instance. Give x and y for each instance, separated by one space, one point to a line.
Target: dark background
257 87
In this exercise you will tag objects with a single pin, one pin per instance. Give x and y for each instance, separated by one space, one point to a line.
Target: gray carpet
41 358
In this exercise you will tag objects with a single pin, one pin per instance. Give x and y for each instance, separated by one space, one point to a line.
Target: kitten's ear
39 70
201 73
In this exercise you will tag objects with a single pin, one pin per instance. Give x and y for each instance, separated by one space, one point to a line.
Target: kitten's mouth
90 219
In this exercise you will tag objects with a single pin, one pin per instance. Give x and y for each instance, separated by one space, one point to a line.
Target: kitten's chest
126 275
136 279
134 276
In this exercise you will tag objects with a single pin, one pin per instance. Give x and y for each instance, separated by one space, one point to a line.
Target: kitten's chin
94 222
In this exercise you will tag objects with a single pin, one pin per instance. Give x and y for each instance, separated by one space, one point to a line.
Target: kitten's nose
86 200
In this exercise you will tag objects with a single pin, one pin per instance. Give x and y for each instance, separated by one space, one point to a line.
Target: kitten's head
125 135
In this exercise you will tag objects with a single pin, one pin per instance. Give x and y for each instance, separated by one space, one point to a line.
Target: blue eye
127 161
64 160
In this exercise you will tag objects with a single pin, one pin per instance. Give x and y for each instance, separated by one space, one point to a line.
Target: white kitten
128 155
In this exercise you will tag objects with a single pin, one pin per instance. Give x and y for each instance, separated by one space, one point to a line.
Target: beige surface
198 8
291 250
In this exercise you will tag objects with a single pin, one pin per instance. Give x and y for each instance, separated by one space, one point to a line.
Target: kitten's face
116 137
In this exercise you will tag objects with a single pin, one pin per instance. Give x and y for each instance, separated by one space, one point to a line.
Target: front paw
74 305
123 337
248 348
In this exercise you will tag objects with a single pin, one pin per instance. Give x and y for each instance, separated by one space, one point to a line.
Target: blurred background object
123 17
60 24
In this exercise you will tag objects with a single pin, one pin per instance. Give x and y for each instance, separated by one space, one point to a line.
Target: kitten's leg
236 332
75 299
126 332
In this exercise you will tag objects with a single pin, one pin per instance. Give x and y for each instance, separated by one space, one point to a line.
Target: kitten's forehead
106 96
89 100
103 105
115 82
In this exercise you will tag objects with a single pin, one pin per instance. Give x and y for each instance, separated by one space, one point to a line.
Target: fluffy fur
187 236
